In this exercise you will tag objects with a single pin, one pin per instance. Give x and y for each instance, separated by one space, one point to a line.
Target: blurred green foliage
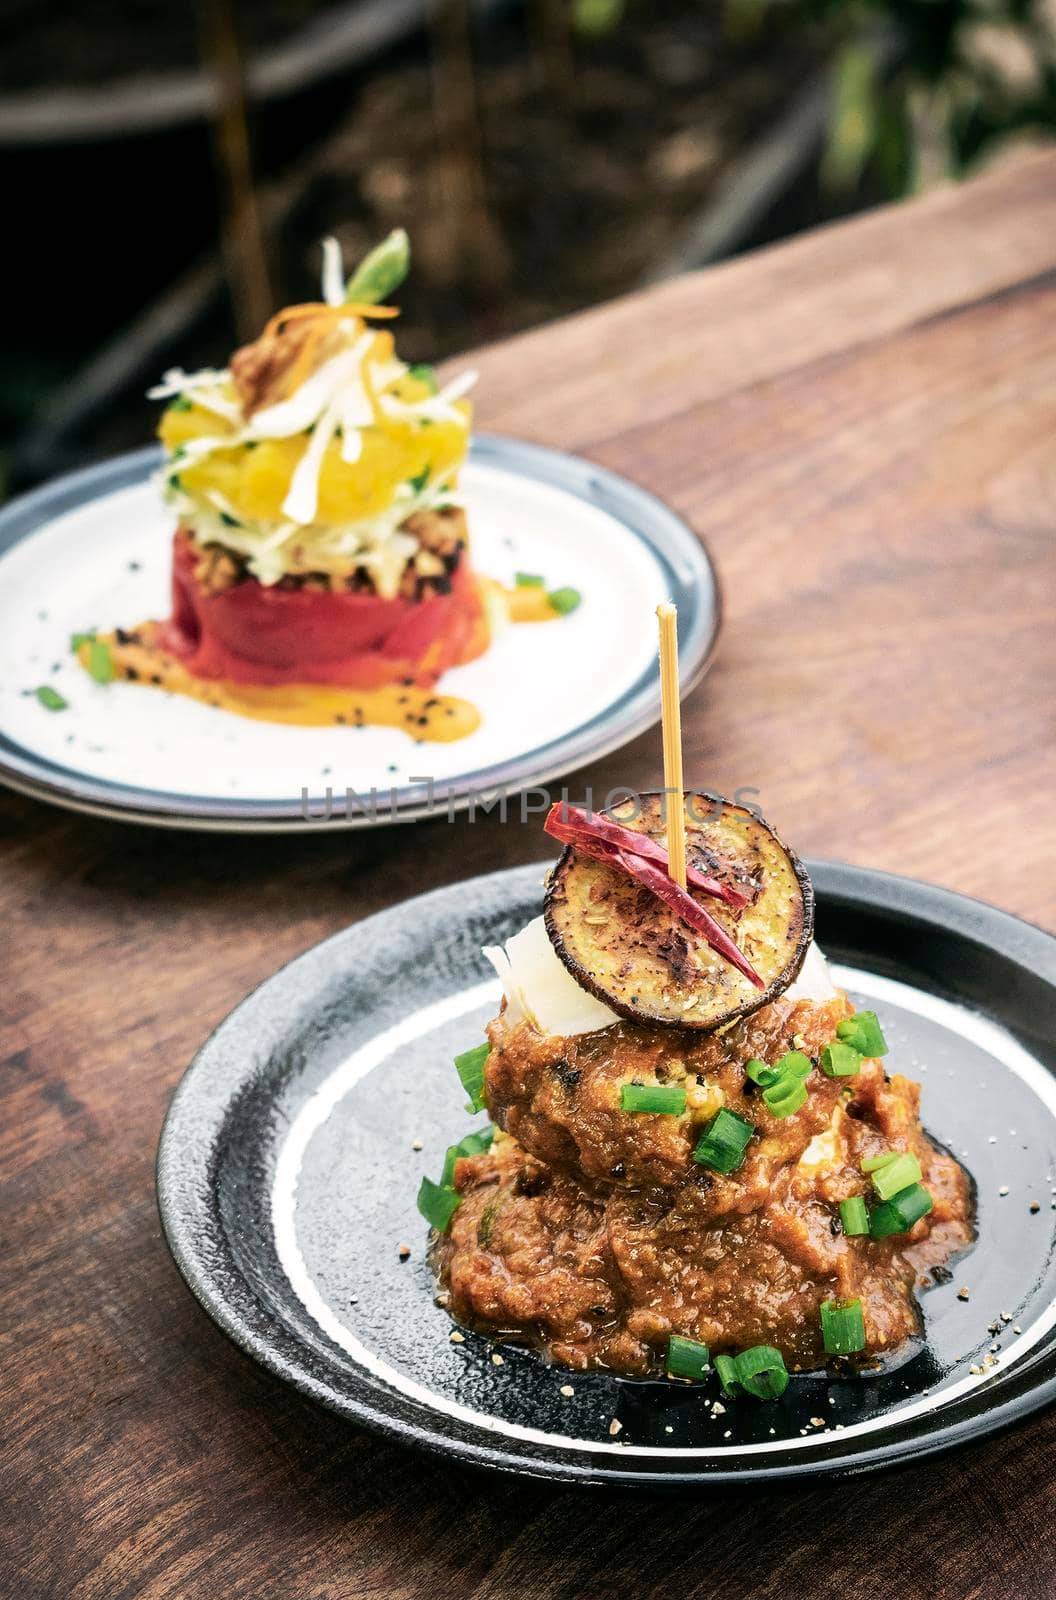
923 89
926 89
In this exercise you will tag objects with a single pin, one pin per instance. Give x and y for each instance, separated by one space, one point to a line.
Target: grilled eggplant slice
627 947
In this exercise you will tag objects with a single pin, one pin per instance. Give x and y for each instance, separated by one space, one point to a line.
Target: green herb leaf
51 698
383 270
474 1144
470 1068
181 403
100 661
565 600
424 374
419 481
229 521
437 1204
528 580
77 639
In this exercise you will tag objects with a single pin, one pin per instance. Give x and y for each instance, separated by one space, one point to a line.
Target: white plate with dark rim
287 1177
92 551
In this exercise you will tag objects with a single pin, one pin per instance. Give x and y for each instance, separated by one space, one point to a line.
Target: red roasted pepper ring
252 633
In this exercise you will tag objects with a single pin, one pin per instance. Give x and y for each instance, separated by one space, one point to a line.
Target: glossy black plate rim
693 586
192 1138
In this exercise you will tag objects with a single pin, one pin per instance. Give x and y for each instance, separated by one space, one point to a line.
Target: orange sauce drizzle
422 713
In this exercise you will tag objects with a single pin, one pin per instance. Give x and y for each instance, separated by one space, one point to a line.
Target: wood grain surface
862 425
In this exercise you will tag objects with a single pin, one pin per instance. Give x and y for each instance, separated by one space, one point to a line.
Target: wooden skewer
671 716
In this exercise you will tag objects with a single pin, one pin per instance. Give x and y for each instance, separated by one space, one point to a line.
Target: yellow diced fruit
255 479
177 425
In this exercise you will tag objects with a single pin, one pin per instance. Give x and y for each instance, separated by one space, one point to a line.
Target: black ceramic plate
288 1170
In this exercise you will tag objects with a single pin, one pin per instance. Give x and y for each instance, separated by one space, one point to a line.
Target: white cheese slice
814 981
540 987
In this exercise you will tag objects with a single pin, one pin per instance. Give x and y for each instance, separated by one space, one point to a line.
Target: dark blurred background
172 166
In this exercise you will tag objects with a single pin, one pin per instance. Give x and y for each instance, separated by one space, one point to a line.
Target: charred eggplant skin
625 946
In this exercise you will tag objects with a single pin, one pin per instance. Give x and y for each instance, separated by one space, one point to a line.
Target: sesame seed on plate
456 1337
497 1360
404 1251
615 1427
567 1390
417 1144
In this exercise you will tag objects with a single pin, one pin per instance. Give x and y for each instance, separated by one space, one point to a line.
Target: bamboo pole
671 722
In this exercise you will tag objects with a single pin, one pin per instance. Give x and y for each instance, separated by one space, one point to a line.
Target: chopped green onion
100 661
894 1176
419 481
724 1141
474 1144
667 1099
470 1068
786 1097
853 1216
760 1073
181 403
565 600
425 374
794 1063
842 1327
874 1163
77 639
686 1358
529 580
381 271
726 1367
899 1215
840 1060
864 1033
229 521
761 1372
51 698
174 481
437 1204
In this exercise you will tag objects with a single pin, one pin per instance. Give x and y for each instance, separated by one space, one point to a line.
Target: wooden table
861 424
